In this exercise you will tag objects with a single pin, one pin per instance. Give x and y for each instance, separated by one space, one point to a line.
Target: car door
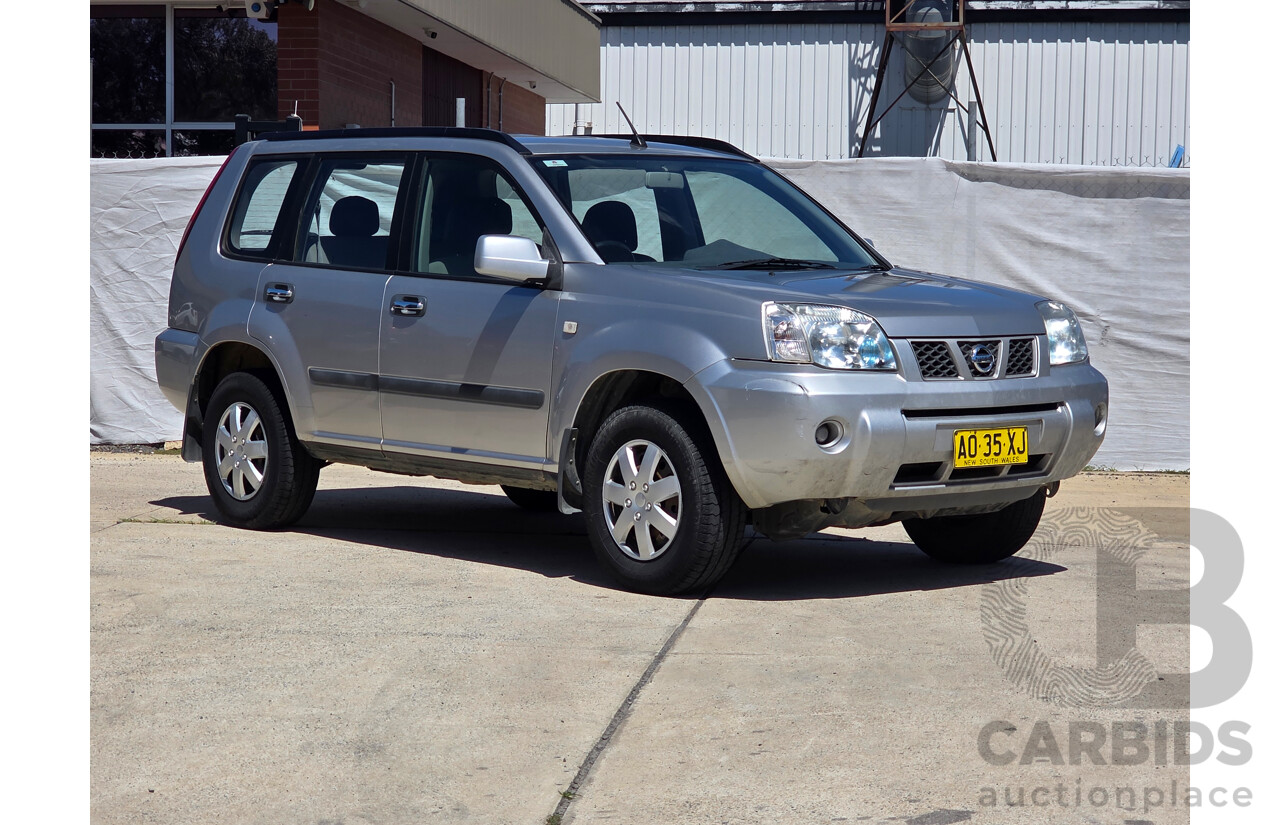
466 359
318 309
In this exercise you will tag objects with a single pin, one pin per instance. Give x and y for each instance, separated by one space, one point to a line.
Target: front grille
1022 357
980 359
934 359
991 352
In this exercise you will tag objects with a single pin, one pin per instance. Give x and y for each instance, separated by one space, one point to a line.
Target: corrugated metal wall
1111 94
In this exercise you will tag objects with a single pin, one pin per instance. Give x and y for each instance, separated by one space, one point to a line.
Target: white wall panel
1111 94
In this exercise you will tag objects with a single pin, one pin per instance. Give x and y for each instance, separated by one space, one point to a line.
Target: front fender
671 351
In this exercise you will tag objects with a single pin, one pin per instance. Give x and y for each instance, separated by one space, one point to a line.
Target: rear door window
254 220
348 215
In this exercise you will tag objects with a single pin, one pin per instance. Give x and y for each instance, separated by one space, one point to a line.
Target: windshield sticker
554 163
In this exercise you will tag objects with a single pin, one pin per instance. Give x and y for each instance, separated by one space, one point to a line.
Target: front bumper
895 454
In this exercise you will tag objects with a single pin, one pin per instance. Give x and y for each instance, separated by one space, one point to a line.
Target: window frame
405 221
558 185
169 125
412 221
284 229
308 191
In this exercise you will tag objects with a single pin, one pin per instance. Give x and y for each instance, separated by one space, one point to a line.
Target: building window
170 81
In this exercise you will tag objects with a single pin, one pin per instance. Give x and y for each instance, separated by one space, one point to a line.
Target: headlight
836 337
1066 338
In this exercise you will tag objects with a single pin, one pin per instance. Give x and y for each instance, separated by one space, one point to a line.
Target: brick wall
359 57
345 62
518 109
298 63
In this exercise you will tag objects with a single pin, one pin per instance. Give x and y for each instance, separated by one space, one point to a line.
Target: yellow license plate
990 448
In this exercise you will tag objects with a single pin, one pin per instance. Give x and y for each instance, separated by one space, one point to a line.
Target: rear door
319 307
466 359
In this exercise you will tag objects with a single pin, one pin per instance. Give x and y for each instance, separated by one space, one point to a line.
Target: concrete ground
421 651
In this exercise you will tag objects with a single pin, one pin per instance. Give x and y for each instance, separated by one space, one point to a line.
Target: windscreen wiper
773 263
872 268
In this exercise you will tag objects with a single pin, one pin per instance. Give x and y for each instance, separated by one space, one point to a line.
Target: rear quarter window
257 210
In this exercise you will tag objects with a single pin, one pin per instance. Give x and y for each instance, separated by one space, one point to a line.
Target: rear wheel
539 501
257 473
661 515
979 539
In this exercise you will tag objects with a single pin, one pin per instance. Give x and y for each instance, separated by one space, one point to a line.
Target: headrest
611 221
354 216
482 216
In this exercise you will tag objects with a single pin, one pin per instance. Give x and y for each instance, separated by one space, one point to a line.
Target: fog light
1100 419
828 433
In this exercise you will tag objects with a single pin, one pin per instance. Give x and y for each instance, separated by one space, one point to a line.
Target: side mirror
870 243
510 257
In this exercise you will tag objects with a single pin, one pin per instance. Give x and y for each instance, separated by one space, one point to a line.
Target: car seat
355 242
611 228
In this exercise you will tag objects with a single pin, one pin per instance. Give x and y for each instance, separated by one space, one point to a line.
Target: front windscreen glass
699 213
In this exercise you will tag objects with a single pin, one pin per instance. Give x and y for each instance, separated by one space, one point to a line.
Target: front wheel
978 539
661 515
257 473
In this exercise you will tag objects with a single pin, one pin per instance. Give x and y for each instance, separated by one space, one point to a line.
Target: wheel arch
620 388
223 359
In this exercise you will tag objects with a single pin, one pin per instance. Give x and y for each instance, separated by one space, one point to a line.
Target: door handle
408 305
280 293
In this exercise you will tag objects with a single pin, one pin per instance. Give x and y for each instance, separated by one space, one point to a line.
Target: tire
980 539
538 501
275 479
690 532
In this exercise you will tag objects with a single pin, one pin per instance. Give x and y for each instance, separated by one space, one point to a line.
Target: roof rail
684 140
404 132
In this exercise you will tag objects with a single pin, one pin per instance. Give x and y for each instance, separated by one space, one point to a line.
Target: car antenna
636 140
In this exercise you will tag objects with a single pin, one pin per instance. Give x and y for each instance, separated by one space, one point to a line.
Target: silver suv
660 332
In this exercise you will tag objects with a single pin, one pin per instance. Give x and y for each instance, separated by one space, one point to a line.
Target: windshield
700 213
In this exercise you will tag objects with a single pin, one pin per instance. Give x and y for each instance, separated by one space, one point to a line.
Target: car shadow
824 566
485 528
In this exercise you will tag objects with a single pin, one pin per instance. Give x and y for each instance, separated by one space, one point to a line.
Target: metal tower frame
894 23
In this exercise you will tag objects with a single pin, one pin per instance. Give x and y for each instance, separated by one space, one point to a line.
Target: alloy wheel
241 451
641 495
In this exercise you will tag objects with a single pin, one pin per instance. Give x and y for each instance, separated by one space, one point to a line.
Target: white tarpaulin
1112 243
138 210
